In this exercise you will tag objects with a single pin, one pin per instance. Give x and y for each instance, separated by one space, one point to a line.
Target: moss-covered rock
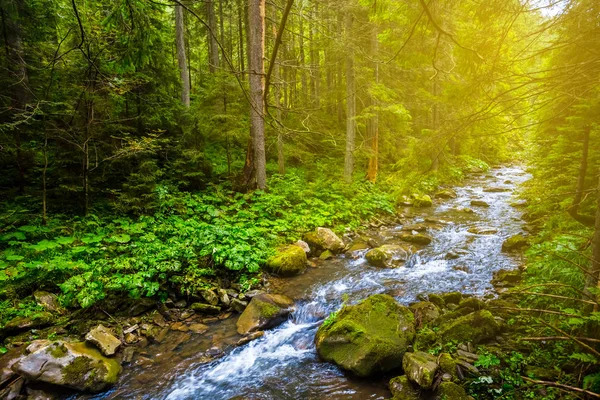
371 336
74 365
450 391
289 261
21 324
420 368
424 339
475 327
421 200
402 389
425 312
322 239
448 365
437 300
473 303
452 297
445 194
265 311
202 308
479 203
507 278
388 256
417 238
326 255
515 243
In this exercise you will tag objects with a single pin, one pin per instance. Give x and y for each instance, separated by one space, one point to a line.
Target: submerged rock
324 239
265 311
475 327
402 389
483 230
420 368
388 256
289 261
479 203
418 238
74 365
496 189
371 336
104 339
515 243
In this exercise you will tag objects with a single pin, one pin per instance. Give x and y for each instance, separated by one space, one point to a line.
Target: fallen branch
585 346
554 296
543 338
561 386
537 310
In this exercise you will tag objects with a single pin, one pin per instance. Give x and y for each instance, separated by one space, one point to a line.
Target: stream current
283 364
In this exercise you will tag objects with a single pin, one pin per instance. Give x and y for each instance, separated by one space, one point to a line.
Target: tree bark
181 56
593 279
241 14
373 166
213 47
256 36
350 105
573 211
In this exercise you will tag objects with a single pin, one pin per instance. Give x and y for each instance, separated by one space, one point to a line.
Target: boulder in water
515 243
420 368
417 238
483 230
74 365
475 327
445 194
371 336
289 261
324 239
496 189
414 227
402 389
388 256
265 311
479 203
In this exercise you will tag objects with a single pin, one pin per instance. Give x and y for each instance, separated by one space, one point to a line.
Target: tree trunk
181 56
256 36
350 105
241 14
277 96
435 161
593 279
213 47
573 211
339 73
373 166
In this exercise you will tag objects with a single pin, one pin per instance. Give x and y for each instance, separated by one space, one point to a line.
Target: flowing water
283 363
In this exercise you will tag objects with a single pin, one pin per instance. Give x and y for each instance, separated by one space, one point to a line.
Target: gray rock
420 368
239 305
49 301
103 338
74 365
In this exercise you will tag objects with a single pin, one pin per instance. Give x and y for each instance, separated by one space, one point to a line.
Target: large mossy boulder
515 243
420 368
402 389
264 311
388 256
322 239
475 327
371 336
73 365
289 261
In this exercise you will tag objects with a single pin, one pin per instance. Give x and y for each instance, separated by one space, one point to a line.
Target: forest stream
283 364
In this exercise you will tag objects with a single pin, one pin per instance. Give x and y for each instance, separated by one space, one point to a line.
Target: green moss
437 300
419 238
289 260
452 297
402 389
475 327
57 350
451 391
422 200
370 336
425 339
268 310
420 367
472 302
448 365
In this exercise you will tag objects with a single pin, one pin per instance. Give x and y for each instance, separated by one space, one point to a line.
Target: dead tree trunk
350 105
181 56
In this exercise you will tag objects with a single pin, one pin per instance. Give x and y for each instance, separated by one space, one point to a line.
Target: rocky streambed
433 264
